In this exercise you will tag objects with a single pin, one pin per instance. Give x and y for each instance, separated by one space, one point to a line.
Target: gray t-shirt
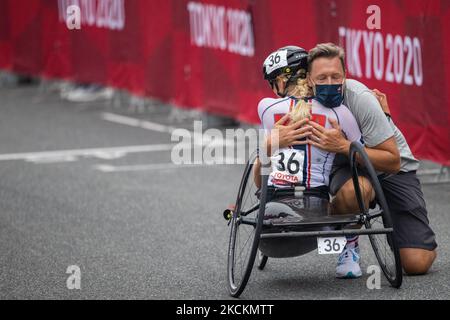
373 123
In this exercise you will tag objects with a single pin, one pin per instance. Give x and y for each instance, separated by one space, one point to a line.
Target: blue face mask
329 95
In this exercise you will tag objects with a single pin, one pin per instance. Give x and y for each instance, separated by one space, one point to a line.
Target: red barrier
208 54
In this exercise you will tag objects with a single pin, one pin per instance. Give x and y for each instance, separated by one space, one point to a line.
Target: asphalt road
137 226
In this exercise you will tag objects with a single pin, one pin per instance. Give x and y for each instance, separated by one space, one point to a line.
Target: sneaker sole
349 275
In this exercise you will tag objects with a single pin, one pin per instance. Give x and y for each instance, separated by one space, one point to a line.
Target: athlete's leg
344 202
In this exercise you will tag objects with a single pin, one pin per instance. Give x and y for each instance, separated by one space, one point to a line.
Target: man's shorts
407 205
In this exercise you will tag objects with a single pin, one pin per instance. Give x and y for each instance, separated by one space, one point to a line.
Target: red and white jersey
304 165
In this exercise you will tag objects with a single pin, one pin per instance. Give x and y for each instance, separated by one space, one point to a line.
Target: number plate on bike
331 245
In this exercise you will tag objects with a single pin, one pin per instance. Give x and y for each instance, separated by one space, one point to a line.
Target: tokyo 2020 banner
208 54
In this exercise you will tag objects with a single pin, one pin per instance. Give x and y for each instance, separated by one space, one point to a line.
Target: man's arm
384 156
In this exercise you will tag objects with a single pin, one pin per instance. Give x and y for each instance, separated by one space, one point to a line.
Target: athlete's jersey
304 165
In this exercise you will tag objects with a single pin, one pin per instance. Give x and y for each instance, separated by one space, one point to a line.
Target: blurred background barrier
207 55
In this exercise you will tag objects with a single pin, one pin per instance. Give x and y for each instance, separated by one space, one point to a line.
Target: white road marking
424 172
70 155
133 122
154 166
153 126
195 138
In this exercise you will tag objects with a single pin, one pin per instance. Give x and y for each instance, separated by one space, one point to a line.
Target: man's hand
381 97
288 134
331 140
385 156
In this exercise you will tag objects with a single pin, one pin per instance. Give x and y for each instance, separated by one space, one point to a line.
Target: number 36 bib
287 167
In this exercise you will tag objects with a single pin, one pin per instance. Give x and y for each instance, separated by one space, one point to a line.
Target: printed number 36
274 59
293 166
335 246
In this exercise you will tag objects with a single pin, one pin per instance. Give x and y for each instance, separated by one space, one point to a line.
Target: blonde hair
302 109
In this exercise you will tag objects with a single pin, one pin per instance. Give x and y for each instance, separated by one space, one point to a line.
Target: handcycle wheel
261 259
384 245
246 225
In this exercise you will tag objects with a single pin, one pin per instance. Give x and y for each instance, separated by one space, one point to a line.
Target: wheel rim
241 254
384 245
244 238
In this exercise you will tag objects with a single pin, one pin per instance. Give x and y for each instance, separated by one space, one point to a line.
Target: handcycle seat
312 221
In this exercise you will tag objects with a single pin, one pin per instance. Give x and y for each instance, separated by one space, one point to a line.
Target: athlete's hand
289 134
382 99
331 140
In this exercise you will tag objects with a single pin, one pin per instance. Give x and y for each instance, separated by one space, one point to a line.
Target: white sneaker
348 264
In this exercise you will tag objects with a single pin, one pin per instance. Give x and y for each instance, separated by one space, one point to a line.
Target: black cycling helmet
289 60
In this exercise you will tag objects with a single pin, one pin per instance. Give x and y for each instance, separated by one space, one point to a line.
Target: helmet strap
291 80
280 94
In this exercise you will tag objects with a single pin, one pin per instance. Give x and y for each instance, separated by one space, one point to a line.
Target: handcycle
258 234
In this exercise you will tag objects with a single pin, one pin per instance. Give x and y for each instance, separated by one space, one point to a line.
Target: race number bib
276 60
287 167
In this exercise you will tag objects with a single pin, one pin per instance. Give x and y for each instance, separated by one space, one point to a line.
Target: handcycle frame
278 230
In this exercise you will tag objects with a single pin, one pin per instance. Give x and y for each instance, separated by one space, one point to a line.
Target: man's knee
417 261
345 199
